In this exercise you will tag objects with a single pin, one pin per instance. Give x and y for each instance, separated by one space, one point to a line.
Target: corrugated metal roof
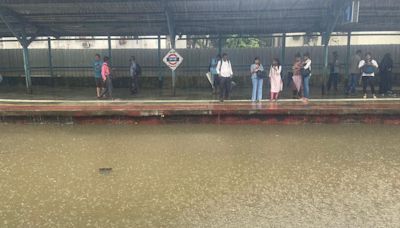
191 17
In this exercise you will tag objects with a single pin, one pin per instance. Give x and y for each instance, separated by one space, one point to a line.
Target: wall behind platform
74 66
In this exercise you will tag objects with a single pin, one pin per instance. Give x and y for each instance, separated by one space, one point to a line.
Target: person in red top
106 75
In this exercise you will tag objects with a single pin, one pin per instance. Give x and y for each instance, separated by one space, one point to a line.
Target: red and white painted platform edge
342 100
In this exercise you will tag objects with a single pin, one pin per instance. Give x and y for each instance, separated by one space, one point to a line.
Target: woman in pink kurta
297 78
276 79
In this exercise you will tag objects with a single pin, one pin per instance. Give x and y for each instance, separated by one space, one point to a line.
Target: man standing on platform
224 70
134 71
354 73
97 74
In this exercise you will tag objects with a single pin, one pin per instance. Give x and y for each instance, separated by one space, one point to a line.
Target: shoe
374 96
365 96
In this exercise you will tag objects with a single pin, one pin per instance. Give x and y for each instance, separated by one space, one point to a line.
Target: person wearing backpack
224 70
97 64
257 79
135 71
214 74
368 67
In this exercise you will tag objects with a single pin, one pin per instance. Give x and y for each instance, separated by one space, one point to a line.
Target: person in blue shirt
214 73
97 74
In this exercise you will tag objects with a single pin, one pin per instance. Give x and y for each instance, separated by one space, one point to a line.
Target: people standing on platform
97 74
214 73
385 74
297 78
306 74
368 67
334 73
107 79
135 71
275 79
354 73
225 72
257 79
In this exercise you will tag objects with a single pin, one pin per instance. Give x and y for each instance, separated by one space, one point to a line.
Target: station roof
187 17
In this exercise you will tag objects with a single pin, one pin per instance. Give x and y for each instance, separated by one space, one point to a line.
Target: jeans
108 88
367 80
225 84
351 88
333 79
306 86
257 88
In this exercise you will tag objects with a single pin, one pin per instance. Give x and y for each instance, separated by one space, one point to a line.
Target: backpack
368 69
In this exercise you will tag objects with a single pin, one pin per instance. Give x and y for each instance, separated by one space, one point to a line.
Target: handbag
261 74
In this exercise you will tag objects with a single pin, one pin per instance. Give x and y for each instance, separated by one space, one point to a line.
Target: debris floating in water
105 170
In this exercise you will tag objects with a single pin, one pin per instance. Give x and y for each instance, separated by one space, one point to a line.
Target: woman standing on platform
385 73
256 80
297 78
368 67
106 75
275 79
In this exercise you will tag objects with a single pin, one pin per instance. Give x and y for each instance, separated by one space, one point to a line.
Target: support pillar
325 42
283 50
27 67
109 49
173 72
50 56
160 75
219 45
348 53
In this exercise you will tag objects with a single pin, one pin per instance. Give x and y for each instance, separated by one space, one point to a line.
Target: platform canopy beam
21 25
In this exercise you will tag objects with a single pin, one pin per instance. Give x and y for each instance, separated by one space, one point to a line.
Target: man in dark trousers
134 72
224 70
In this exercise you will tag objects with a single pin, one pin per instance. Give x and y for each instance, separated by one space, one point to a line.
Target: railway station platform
289 111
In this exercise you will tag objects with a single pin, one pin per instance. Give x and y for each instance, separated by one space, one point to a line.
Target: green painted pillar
27 67
172 41
348 53
325 42
219 45
50 56
283 50
160 75
109 49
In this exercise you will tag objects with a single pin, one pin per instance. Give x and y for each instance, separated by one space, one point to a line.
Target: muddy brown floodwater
199 176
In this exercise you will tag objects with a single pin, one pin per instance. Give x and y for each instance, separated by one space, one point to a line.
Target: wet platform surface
284 111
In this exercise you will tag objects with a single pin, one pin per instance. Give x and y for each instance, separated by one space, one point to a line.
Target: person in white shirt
306 73
368 67
224 70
